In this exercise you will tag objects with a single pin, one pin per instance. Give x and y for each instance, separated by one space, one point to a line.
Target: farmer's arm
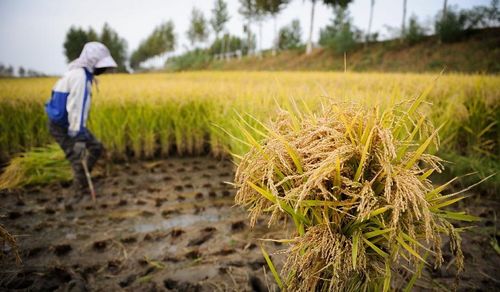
77 106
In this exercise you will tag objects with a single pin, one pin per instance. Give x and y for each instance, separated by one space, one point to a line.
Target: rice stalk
355 182
5 237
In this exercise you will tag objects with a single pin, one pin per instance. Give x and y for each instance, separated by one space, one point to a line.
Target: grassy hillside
477 52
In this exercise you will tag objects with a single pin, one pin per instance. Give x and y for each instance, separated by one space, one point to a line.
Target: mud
170 225
166 225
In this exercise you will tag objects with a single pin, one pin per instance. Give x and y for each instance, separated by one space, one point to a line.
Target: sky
32 32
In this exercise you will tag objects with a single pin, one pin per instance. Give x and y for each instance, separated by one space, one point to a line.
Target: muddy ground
171 225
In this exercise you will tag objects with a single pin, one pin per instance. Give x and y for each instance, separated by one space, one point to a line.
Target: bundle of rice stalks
355 183
5 237
41 165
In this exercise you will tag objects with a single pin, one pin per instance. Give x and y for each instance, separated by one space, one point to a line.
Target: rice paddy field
327 164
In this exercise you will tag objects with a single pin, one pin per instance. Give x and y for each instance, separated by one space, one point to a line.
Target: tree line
339 35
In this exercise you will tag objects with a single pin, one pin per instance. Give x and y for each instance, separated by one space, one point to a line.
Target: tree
290 36
249 10
227 43
117 46
340 35
332 3
403 25
198 30
273 8
76 38
220 17
21 71
368 32
415 31
161 40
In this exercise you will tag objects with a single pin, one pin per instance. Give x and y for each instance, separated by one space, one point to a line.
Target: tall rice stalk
355 182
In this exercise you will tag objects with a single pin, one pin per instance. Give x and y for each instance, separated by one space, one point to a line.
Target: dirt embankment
478 52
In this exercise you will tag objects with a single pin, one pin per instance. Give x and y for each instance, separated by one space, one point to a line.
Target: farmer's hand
79 148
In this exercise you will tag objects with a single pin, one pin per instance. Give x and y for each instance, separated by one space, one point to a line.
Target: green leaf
272 268
355 246
375 248
461 216
409 248
377 232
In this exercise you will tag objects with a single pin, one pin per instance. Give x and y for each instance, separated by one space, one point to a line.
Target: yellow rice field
149 115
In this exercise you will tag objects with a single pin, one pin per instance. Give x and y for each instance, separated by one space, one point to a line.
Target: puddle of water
178 221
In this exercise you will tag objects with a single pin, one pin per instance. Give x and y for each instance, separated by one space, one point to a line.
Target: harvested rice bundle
5 237
355 183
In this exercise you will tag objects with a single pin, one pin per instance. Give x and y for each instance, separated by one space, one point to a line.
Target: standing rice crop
355 182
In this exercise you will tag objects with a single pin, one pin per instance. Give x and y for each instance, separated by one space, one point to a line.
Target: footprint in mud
159 201
196 168
62 249
129 240
130 182
212 194
188 186
224 252
181 170
199 196
49 211
205 235
238 226
28 213
122 202
169 258
257 265
211 166
140 202
34 252
155 236
226 193
207 185
176 233
152 190
193 255
42 200
147 214
100 245
181 198
257 285
127 281
167 178
168 213
114 266
13 215
198 209
104 206
178 188
181 286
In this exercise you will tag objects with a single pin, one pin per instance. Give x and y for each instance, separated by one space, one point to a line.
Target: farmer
68 110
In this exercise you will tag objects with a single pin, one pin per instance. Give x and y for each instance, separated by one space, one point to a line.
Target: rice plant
6 237
149 115
40 166
355 182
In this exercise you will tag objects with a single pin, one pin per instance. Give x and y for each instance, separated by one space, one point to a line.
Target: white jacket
70 101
